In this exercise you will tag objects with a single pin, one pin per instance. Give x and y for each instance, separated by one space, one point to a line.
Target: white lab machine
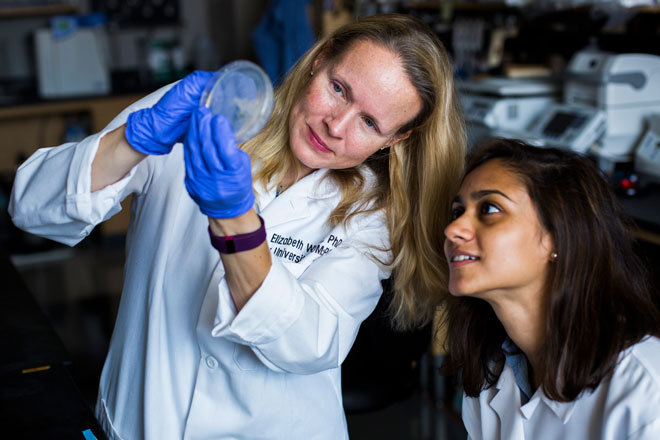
606 98
647 154
498 106
75 65
568 127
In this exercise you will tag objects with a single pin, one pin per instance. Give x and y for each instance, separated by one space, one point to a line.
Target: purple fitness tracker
231 244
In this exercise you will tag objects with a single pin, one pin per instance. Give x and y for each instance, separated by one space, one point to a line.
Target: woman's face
352 108
496 246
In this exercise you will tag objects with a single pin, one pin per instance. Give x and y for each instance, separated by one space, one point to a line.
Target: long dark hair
599 298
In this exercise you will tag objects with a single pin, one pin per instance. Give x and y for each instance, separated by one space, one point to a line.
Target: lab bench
644 209
38 397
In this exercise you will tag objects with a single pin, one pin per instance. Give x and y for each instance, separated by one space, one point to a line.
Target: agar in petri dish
242 92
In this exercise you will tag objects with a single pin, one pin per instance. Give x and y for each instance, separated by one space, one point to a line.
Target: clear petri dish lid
242 92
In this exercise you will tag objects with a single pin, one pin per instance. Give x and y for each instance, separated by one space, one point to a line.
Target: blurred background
577 74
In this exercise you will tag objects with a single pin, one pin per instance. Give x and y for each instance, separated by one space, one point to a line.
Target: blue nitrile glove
218 173
155 130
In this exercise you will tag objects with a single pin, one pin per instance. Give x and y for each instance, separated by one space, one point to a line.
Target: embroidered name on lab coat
295 249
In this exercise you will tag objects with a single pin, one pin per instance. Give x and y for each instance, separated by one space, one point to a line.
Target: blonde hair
415 177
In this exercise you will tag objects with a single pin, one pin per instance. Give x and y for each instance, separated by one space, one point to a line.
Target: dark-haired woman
551 321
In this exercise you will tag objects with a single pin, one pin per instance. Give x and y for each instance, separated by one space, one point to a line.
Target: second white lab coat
624 406
182 363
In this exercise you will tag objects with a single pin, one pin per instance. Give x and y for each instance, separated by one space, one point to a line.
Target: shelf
61 106
648 236
502 6
32 11
27 127
460 6
649 9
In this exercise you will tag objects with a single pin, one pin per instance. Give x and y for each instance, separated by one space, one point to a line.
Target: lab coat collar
315 185
563 410
325 188
508 397
294 203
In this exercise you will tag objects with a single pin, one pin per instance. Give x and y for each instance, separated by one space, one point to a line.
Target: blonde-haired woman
249 270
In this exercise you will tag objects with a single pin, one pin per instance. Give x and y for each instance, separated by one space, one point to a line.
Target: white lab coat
182 363
626 406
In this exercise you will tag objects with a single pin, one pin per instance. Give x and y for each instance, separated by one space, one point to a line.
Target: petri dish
241 92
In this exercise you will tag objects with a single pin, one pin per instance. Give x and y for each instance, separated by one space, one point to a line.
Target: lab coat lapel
284 209
294 203
563 410
505 401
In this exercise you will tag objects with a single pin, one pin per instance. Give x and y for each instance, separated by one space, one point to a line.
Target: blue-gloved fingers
201 143
155 130
175 107
139 134
220 184
218 140
191 154
185 95
195 84
230 155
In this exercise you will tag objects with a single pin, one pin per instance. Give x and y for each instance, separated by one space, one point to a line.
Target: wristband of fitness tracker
230 244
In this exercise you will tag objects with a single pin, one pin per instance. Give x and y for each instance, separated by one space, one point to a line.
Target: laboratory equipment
242 92
606 98
71 66
499 106
568 127
647 154
626 87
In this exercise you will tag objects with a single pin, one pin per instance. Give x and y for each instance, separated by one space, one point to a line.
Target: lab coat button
211 362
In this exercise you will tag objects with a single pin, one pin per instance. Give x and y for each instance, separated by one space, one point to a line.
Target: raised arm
114 159
219 179
152 130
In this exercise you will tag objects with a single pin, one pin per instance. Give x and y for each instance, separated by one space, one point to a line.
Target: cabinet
31 11
492 37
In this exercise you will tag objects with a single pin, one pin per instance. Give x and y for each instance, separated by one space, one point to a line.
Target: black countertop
38 398
644 208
